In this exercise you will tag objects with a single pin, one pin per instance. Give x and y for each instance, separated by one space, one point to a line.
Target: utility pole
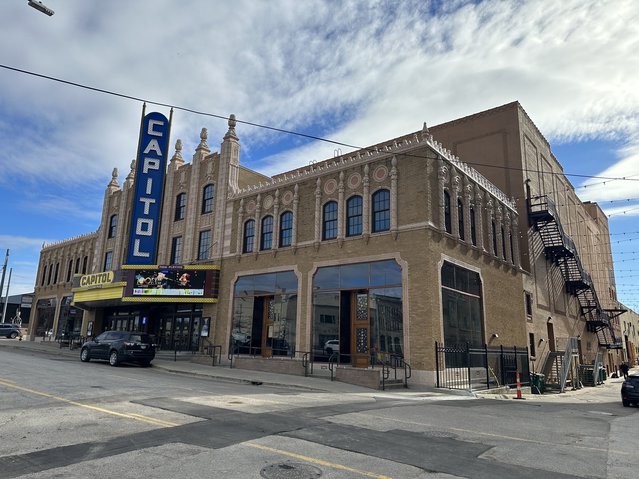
4 270
6 298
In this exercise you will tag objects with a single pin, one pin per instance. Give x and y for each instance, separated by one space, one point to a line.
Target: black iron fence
467 367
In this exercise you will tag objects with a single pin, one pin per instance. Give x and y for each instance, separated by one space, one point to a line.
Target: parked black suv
10 331
630 391
119 346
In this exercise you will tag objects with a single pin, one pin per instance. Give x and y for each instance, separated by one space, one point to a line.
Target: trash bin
537 383
602 375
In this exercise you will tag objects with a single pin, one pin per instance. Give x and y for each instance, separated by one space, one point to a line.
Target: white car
331 346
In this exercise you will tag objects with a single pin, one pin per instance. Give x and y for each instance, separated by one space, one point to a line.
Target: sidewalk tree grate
290 470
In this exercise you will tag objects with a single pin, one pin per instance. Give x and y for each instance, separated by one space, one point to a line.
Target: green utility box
537 383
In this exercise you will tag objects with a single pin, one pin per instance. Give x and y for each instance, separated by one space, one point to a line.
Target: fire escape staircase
561 250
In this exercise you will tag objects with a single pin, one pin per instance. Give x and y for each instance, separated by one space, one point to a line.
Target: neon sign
149 185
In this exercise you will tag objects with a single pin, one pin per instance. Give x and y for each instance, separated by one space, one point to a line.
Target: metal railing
465 367
331 364
566 366
306 362
71 341
394 363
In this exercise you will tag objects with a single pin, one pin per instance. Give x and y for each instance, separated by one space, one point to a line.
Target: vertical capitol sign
149 186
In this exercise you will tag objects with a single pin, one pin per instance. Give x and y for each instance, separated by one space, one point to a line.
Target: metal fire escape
561 249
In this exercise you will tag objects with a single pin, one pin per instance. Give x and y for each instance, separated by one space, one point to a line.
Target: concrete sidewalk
609 391
245 376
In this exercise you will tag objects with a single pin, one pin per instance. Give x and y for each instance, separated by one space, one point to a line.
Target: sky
358 72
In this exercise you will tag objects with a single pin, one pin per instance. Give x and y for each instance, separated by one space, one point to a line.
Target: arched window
354 216
208 198
329 223
473 227
512 248
69 271
266 241
381 211
503 242
494 238
286 229
180 206
113 226
460 219
44 275
447 221
249 234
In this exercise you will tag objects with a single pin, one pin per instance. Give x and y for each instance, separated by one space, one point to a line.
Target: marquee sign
149 185
157 284
169 283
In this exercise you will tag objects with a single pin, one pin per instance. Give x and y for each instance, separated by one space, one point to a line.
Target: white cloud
19 243
355 71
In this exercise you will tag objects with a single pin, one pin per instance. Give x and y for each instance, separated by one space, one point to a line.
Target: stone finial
204 134
231 132
178 148
114 178
131 174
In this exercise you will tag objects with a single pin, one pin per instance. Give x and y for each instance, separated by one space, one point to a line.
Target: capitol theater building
351 264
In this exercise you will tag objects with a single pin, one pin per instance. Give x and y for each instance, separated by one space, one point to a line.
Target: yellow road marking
319 462
137 417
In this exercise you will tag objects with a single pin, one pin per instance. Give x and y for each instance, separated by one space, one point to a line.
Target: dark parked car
10 331
630 391
119 346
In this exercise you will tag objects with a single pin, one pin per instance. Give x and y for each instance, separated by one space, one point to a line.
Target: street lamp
41 7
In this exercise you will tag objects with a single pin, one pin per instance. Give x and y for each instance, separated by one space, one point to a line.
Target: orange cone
518 387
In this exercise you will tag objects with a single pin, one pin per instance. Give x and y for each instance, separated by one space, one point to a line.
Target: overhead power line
282 130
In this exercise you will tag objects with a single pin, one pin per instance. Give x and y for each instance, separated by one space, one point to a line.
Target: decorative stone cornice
68 241
377 152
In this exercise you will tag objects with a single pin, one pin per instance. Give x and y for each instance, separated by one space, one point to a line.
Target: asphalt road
60 418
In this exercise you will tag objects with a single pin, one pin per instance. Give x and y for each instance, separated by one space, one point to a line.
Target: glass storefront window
354 276
461 301
358 308
385 273
387 327
265 314
326 323
326 278
286 282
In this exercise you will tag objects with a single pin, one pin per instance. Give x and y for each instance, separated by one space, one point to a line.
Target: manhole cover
290 470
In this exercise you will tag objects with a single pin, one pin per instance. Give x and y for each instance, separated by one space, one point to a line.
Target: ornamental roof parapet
65 242
385 149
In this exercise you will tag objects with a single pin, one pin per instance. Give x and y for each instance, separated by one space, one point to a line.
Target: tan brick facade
440 211
506 146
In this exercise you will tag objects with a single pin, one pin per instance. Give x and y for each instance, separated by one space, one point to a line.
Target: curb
255 382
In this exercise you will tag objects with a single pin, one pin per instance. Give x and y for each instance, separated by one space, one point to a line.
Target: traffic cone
518 387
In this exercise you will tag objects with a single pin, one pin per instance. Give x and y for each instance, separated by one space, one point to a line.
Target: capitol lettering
96 279
148 190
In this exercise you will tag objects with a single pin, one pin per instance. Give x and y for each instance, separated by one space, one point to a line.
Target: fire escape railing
561 249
